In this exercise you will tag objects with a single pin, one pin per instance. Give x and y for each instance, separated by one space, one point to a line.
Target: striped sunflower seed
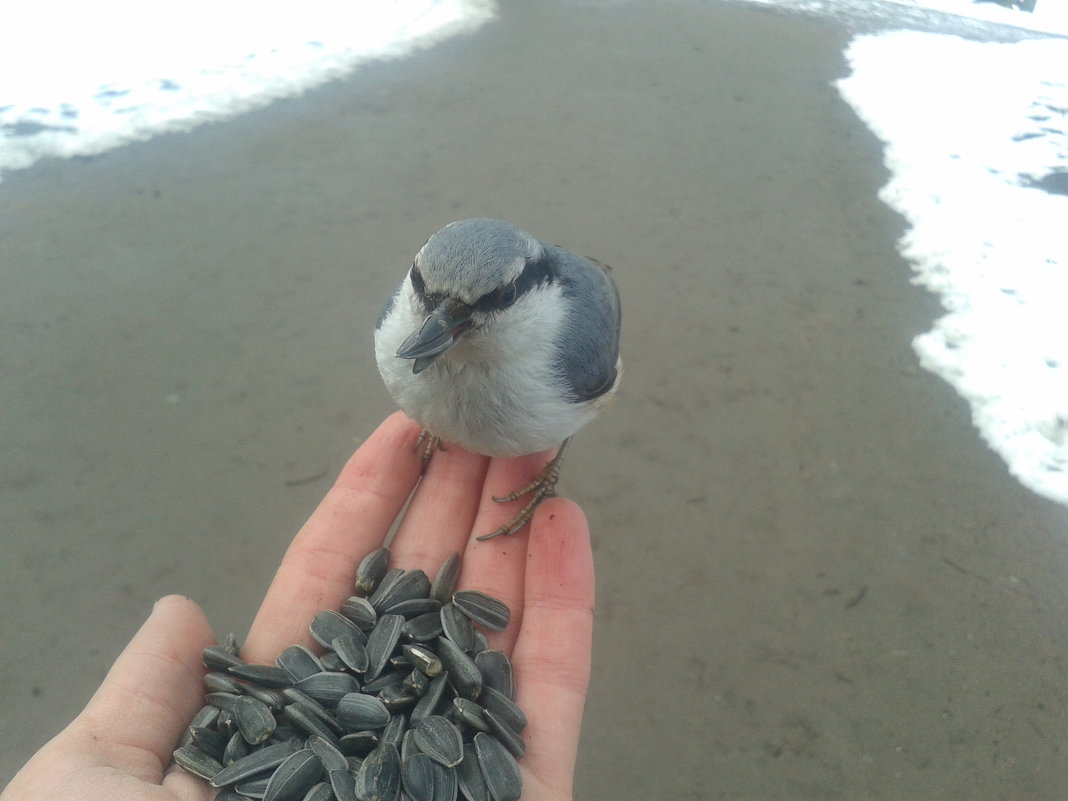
261 761
254 719
496 670
440 740
482 608
328 624
360 612
499 769
359 712
193 759
299 662
371 570
417 776
294 777
444 583
381 642
379 776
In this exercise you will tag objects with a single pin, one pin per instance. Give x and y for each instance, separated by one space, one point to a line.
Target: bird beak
437 334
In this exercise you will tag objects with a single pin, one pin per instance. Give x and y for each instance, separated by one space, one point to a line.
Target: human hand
119 747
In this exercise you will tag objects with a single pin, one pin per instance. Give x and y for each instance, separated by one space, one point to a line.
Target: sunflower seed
423 659
209 741
445 782
207 717
360 612
417 776
444 583
299 662
227 794
257 762
253 788
263 675
463 675
294 777
287 732
499 768
457 627
394 731
308 722
332 663
357 712
385 680
408 746
507 736
359 743
226 724
351 651
318 792
273 699
424 627
410 584
391 576
329 754
413 607
225 701
230 645
381 642
309 704
328 687
343 784
328 624
469 776
216 657
193 759
417 682
496 670
482 608
440 740
470 713
236 748
398 697
503 707
379 777
371 570
221 683
431 698
481 643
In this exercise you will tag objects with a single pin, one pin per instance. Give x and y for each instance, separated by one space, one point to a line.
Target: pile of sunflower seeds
407 703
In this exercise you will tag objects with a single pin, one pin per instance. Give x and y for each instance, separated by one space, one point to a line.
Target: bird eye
508 295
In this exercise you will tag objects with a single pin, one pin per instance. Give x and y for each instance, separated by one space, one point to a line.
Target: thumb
151 692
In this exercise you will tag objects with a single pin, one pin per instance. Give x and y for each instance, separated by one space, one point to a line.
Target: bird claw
432 444
541 488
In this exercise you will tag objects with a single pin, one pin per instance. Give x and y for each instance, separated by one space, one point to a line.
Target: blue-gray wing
589 348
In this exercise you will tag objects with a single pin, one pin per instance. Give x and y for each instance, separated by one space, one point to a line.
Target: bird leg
542 487
432 444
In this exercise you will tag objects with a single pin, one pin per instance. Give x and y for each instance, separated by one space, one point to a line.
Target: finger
497 566
354 518
552 653
151 692
440 518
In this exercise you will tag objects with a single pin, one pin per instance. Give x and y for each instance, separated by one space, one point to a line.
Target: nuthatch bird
501 344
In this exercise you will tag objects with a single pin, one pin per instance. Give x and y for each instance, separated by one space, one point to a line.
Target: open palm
119 747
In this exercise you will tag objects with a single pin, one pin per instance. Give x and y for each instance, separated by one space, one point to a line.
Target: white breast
494 392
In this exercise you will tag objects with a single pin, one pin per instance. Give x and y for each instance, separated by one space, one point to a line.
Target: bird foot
541 488
432 444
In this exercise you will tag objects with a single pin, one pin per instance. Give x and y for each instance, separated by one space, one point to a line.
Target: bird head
465 278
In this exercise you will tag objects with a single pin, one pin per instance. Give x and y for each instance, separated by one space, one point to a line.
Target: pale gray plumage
498 342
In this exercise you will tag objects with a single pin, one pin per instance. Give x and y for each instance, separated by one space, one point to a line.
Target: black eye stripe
417 281
534 274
